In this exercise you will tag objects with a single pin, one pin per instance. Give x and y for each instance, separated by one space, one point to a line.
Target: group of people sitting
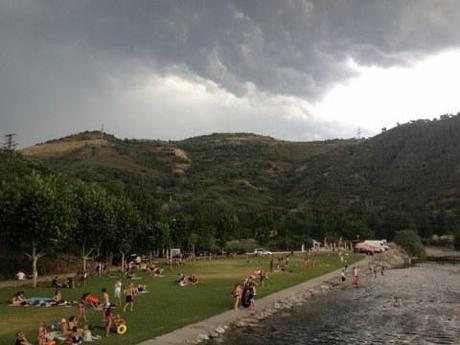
176 262
183 281
68 283
66 331
69 332
19 299
156 270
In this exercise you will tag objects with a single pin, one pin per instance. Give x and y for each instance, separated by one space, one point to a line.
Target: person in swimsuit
42 331
108 321
73 322
355 276
253 291
21 339
57 297
82 308
129 295
237 293
117 292
106 299
343 277
19 299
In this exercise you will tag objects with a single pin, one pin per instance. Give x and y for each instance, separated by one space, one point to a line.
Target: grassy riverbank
167 306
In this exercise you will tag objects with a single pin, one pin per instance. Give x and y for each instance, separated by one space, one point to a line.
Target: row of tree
42 213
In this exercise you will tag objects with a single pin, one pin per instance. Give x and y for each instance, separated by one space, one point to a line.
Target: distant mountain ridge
410 172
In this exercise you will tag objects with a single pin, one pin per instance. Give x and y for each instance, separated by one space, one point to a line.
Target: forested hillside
211 189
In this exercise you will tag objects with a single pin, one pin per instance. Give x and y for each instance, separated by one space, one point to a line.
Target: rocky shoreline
269 306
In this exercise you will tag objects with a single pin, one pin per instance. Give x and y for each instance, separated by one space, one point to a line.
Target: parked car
262 252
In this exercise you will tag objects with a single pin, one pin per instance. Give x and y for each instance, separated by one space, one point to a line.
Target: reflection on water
429 313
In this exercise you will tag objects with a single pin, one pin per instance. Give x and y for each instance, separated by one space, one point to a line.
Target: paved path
439 252
28 282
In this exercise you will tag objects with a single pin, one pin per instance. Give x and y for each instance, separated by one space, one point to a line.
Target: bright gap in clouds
179 106
381 97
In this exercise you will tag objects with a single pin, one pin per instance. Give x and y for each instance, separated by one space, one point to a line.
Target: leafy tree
357 229
193 239
411 242
128 224
37 218
96 220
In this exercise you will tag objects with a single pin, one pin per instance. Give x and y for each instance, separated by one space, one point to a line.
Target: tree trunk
85 255
34 265
122 261
109 261
34 257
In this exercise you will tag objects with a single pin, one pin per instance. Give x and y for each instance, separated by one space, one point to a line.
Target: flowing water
429 312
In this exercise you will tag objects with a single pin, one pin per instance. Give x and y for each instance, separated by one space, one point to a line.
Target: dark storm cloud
59 59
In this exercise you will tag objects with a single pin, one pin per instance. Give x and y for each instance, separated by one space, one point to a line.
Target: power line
10 144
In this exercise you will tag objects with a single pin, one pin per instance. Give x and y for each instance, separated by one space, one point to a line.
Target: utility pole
359 132
10 144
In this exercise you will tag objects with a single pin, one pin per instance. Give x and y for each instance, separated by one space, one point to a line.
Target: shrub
410 241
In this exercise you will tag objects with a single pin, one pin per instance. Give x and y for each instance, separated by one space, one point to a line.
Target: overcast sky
292 69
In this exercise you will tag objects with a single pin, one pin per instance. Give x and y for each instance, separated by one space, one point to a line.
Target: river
429 312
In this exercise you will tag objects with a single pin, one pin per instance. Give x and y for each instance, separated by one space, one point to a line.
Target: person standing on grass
105 298
129 295
108 321
117 292
82 308
106 301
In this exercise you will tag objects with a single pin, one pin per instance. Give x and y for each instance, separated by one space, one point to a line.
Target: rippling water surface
429 313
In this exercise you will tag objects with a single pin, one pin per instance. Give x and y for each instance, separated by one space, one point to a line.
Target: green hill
404 177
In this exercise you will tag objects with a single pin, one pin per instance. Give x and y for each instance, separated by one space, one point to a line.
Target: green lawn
167 306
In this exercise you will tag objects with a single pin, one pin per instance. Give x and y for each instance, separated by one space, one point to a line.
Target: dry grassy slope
237 169
93 150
